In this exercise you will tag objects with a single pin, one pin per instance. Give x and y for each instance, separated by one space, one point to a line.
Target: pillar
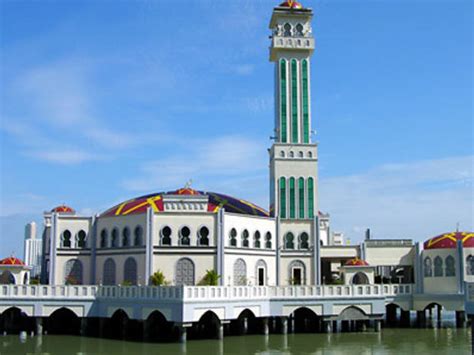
335 326
362 326
345 326
146 331
284 325
39 326
102 322
244 327
405 318
391 315
220 331
421 318
292 324
327 326
377 325
460 319
182 334
265 330
83 326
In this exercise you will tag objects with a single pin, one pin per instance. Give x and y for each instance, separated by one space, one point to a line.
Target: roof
291 4
356 262
216 201
63 209
12 261
449 240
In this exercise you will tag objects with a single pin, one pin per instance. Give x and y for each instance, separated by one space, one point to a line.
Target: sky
101 101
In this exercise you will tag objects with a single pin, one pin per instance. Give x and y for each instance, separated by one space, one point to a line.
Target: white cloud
244 69
65 157
417 200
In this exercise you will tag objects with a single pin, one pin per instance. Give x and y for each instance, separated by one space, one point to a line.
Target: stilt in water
460 319
284 325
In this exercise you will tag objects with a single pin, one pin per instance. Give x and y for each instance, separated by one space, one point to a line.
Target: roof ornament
188 184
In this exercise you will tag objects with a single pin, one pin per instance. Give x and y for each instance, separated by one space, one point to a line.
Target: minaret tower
293 157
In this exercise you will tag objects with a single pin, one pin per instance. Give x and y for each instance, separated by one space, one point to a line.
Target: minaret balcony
292 43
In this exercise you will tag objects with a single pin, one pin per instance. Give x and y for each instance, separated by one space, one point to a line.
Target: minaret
293 158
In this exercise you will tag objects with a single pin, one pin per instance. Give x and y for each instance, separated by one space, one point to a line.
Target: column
146 331
460 319
405 318
39 326
265 329
244 326
284 325
220 246
317 251
421 318
182 333
327 326
83 330
220 331
377 325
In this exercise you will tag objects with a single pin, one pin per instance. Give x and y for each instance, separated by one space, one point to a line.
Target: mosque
186 233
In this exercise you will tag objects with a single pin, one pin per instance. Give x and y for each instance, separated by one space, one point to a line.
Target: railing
203 293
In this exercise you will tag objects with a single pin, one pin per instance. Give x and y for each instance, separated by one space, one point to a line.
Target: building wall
390 255
440 284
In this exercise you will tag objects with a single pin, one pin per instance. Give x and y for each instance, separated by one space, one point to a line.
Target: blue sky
104 100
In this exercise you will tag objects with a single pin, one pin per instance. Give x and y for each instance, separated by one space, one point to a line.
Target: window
126 237
240 273
184 234
108 277
310 197
438 267
203 236
301 197
114 239
289 241
138 233
66 239
292 154
305 94
130 271
282 153
428 271
303 241
103 238
73 272
470 265
256 239
268 240
261 273
283 102
287 30
233 237
245 238
450 266
294 101
360 278
166 236
297 273
310 155
299 29
81 239
184 272
282 197
292 198
300 154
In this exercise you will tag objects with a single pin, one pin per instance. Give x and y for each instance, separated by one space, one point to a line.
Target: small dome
63 209
356 262
12 261
449 240
185 191
291 4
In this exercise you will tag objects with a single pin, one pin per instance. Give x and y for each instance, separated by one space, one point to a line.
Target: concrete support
39 326
362 326
244 326
291 328
460 319
182 334
335 326
265 330
421 318
405 318
83 330
145 331
391 316
345 326
284 325
327 326
102 327
220 331
377 325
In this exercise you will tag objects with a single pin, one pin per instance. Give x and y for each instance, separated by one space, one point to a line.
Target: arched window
299 29
303 241
108 277
289 241
114 239
310 197
73 272
287 30
282 153
294 101
297 273
130 271
470 265
360 278
103 238
240 273
81 239
292 198
283 102
282 197
438 267
66 239
301 197
203 236
268 240
261 273
256 239
427 267
300 154
184 234
165 235
310 155
233 237
184 272
7 278
138 236
245 238
126 237
450 266
292 154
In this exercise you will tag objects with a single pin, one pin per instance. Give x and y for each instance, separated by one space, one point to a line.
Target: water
389 341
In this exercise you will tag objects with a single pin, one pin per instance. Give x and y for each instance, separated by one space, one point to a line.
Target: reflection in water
389 341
